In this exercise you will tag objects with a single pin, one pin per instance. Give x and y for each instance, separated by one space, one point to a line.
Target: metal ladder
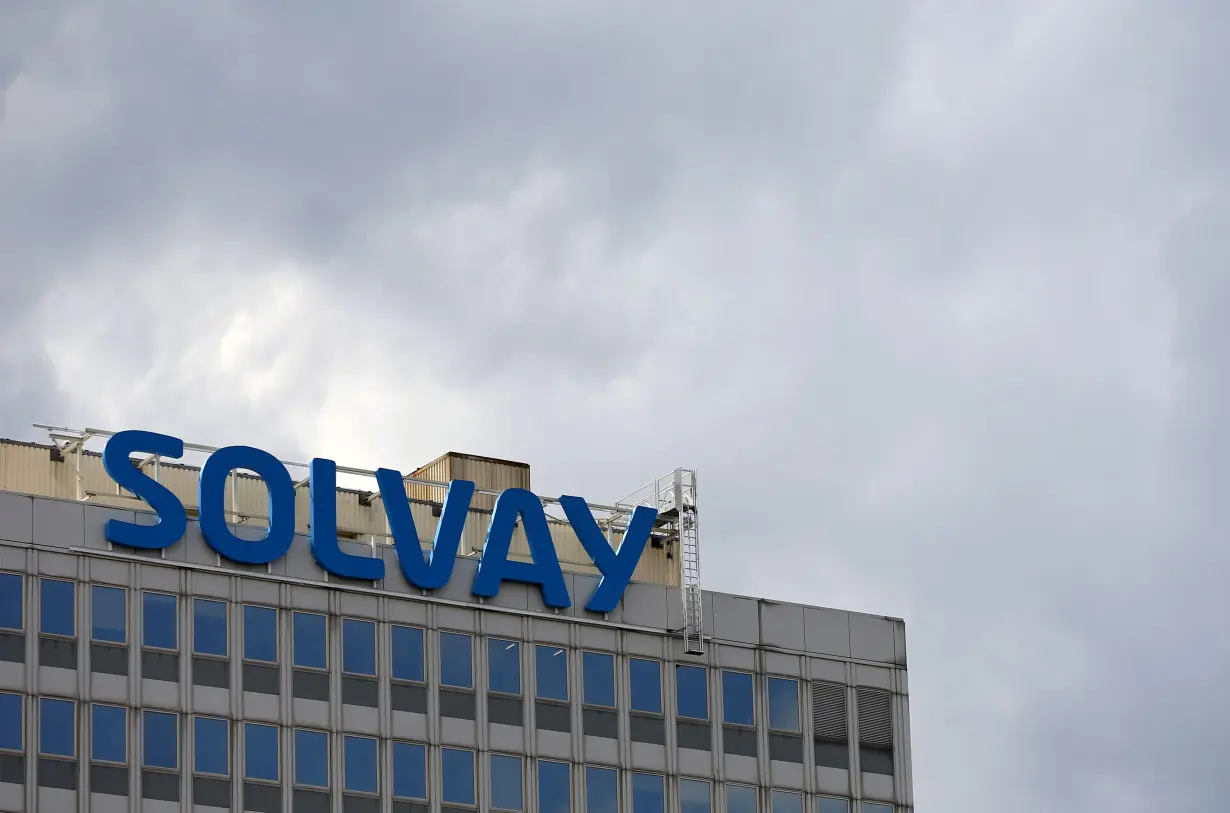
689 554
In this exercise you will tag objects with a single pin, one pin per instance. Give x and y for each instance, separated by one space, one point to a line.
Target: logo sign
429 573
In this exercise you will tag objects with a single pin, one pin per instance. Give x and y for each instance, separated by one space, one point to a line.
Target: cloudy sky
928 293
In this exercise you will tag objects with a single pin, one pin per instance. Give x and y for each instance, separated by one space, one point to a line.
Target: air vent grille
828 709
875 717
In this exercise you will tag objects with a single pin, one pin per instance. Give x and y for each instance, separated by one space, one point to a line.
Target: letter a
495 566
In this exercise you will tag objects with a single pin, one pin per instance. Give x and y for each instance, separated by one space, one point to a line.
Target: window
311 641
57 727
740 799
551 666
109 734
59 607
407 646
209 627
601 790
108 614
786 802
874 807
360 758
409 770
645 682
260 752
831 804
507 779
738 705
12 605
692 692
159 613
457 772
211 746
694 796
161 746
456 668
358 647
311 758
598 671
554 787
11 727
648 793
783 704
503 666
260 633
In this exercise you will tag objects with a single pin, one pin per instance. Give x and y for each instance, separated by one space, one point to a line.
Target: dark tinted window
209 626
693 796
260 633
59 608
260 751
691 692
506 783
831 804
737 699
159 620
108 614
783 704
503 666
601 790
645 679
12 602
358 647
407 646
648 793
161 740
109 734
409 770
598 672
456 660
11 720
554 787
311 758
311 641
551 666
211 746
457 769
57 727
359 755
740 799
786 802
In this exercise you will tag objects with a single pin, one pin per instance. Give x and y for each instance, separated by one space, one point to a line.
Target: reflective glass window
786 802
211 746
358 647
359 754
691 692
261 752
311 758
507 792
409 770
783 704
109 734
160 740
740 799
598 673
457 773
554 787
59 607
551 670
648 793
503 666
209 626
260 633
11 719
456 660
159 620
875 807
12 602
601 790
57 727
311 640
694 796
645 684
738 703
831 804
407 647
108 614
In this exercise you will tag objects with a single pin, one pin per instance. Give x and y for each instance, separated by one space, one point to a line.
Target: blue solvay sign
430 573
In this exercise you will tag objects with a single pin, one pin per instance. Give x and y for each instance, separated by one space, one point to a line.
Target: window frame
20 592
226 627
374 626
586 657
94 733
751 697
196 744
423 748
704 671
469 687
21 723
375 742
145 627
94 592
146 714
511 645
248 727
422 654
314 732
43 581
294 640
558 651
798 703
473 776
632 683
277 644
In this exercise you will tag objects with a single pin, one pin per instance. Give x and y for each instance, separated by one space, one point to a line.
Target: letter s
172 519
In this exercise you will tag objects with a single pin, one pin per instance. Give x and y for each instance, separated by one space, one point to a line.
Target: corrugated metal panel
828 711
875 716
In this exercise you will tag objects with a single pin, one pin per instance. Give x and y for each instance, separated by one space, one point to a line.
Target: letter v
616 566
433 573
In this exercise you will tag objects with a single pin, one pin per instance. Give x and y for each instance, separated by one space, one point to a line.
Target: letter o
211 498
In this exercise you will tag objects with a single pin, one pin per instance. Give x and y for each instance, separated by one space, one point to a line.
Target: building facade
173 680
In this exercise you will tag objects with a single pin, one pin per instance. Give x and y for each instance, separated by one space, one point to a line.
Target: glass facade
694 796
503 666
160 735
601 790
108 733
311 644
311 758
260 634
209 627
261 752
407 648
554 787
409 770
358 647
783 704
109 614
58 600
692 692
159 621
12 602
361 764
738 699
211 746
551 668
645 685
740 799
457 776
507 783
57 727
12 722
456 660
598 673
